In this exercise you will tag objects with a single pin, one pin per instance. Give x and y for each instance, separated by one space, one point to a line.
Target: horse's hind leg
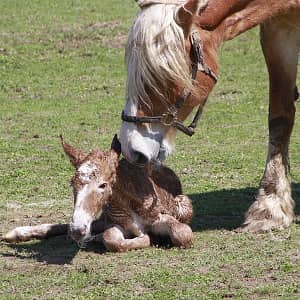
274 206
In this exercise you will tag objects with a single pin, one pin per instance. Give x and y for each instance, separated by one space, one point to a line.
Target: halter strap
170 117
143 3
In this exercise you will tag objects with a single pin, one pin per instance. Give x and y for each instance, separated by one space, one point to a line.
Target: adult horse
171 57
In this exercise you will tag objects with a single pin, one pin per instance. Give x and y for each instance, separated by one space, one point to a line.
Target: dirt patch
102 25
19 214
83 36
74 42
91 26
80 41
117 42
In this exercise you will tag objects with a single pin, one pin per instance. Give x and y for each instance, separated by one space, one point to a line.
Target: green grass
62 71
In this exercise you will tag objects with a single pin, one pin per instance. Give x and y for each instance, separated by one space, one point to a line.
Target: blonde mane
156 55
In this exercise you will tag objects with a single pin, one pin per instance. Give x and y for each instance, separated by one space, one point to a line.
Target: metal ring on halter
168 119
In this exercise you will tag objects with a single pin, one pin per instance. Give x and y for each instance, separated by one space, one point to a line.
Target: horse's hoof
258 226
255 223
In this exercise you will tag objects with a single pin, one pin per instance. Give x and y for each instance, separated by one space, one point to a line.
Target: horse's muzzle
78 233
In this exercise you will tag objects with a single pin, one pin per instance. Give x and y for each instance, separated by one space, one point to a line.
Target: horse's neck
227 19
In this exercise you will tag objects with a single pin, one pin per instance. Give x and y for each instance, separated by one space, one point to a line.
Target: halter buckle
169 117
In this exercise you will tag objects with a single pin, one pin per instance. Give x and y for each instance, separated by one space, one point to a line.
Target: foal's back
147 192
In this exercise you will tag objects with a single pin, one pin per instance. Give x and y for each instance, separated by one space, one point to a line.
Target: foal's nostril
139 158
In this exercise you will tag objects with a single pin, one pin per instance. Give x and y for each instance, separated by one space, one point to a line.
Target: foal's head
95 173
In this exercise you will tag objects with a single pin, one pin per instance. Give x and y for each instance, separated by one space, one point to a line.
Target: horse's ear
216 11
186 12
75 155
116 145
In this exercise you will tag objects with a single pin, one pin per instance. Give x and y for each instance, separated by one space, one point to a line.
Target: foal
121 201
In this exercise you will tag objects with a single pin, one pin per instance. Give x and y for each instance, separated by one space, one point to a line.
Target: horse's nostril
78 232
140 158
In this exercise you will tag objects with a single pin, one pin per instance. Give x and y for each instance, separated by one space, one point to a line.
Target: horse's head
95 173
160 61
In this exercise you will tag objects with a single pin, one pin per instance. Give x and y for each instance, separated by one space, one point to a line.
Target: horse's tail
26 233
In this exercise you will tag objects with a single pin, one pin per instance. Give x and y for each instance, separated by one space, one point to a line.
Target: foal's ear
115 152
186 12
116 145
75 155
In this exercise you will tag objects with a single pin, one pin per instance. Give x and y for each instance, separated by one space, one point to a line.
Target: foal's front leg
114 240
181 234
42 231
274 205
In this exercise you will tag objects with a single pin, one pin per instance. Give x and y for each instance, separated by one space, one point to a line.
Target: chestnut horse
171 57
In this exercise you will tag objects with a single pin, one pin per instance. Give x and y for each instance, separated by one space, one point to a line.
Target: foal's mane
155 53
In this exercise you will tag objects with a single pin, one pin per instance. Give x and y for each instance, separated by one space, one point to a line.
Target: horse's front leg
114 240
180 234
274 205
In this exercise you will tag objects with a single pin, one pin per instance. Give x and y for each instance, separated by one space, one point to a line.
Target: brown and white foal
120 201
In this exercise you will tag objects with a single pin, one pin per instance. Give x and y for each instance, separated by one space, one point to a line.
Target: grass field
62 71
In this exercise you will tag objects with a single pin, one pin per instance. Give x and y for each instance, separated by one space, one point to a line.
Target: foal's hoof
11 237
182 236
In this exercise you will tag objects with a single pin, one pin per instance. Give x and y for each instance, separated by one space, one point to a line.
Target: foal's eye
102 186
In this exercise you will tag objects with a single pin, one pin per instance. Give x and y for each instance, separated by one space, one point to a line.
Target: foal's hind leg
274 205
181 234
114 240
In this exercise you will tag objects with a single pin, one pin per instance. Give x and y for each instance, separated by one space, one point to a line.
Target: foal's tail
183 211
26 233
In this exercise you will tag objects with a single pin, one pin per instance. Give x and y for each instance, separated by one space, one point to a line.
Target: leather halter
170 117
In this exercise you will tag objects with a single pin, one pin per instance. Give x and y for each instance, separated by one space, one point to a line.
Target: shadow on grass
225 209
222 209
58 250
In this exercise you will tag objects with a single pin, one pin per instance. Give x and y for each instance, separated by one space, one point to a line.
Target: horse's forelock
155 55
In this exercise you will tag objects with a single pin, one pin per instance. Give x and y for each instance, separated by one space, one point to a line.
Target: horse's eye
102 186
